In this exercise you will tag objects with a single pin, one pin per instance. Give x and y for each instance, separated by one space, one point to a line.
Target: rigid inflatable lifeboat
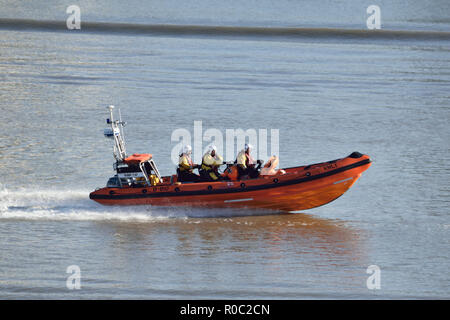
138 182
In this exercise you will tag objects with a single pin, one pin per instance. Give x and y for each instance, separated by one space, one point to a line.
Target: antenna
123 125
116 132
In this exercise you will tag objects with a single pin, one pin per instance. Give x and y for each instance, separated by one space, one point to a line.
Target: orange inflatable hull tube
290 189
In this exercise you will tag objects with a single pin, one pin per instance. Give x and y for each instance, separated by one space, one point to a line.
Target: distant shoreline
226 31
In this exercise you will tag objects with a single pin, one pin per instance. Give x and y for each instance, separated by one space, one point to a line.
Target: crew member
246 164
210 165
186 166
269 167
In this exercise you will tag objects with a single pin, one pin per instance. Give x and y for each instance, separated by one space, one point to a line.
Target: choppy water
329 92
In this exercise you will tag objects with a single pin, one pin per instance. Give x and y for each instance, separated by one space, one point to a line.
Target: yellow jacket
209 162
185 163
242 159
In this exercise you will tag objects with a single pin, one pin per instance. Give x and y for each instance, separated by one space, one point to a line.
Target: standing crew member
210 165
186 166
246 164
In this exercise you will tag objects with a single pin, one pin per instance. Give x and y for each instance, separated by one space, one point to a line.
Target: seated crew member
269 167
210 165
246 164
186 166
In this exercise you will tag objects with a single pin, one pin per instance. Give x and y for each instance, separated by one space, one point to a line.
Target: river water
328 91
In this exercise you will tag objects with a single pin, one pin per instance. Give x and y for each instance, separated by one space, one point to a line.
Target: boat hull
300 188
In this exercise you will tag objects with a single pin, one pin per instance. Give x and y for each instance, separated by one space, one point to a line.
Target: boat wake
75 205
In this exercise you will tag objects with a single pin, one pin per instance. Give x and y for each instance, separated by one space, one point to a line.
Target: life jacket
244 160
210 163
185 163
